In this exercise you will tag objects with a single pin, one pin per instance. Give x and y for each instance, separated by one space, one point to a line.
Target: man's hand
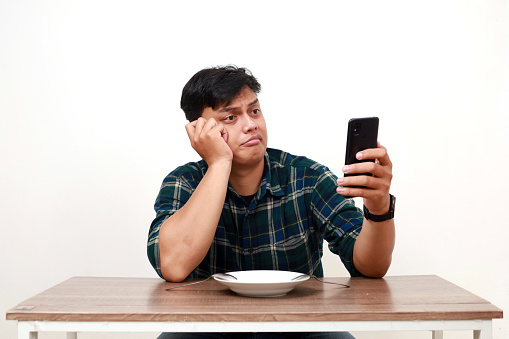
376 191
209 138
372 253
186 236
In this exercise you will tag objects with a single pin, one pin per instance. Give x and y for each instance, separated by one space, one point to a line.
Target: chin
250 158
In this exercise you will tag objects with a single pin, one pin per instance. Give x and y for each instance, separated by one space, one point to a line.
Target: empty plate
261 283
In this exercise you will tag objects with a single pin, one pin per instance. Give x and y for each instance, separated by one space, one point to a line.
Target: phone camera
357 127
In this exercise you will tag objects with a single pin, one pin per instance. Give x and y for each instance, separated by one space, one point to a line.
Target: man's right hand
209 138
186 236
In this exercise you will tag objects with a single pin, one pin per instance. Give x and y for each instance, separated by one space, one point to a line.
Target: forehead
245 97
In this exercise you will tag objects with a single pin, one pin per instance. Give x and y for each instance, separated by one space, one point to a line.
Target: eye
256 111
229 118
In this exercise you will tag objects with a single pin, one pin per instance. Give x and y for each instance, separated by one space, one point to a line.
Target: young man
245 206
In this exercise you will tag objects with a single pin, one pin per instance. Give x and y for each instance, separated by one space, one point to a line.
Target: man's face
245 124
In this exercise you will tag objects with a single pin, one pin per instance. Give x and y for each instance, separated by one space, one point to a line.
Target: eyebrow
229 109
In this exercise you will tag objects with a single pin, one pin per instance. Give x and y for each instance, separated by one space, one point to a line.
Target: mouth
254 140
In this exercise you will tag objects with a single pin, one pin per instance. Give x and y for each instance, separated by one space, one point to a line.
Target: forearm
185 237
372 254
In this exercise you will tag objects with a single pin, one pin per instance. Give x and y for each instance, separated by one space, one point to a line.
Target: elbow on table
375 274
173 275
370 270
172 272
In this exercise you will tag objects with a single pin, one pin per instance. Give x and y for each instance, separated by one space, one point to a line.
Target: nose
249 124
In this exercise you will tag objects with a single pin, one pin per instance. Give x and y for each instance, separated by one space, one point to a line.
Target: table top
393 298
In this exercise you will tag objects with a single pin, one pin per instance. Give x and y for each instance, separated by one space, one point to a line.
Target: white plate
261 283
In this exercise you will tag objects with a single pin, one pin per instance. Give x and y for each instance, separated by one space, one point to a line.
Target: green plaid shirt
281 228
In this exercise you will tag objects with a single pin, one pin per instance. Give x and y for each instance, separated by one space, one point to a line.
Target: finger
210 129
374 168
370 182
200 126
380 180
191 129
385 160
209 124
371 153
353 191
220 129
380 153
224 133
361 192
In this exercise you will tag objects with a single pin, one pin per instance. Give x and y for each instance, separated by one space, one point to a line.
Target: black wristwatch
387 216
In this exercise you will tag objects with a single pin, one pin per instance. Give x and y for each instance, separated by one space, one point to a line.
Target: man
245 206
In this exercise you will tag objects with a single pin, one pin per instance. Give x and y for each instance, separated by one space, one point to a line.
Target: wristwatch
383 217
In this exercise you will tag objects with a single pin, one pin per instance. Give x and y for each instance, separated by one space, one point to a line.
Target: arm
372 253
186 236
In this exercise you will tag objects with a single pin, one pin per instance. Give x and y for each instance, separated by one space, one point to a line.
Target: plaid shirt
281 228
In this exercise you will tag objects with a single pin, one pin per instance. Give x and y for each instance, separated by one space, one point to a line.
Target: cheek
263 129
262 124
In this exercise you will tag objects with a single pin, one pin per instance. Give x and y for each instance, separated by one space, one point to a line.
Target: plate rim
237 282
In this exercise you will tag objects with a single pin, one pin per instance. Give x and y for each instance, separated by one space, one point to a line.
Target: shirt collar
270 180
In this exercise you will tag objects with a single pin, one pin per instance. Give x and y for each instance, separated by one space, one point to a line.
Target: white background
90 124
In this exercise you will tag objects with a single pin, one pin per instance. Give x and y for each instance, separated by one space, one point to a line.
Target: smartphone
362 134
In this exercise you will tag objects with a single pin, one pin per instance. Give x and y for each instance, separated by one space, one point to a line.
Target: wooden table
88 304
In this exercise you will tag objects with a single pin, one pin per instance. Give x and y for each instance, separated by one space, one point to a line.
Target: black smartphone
362 134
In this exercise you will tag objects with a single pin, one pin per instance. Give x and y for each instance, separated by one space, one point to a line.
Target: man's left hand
376 188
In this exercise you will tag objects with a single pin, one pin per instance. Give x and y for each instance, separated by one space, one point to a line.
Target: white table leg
438 334
485 333
27 335
25 332
71 335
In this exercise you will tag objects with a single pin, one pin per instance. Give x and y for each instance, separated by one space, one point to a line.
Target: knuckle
365 180
390 175
386 185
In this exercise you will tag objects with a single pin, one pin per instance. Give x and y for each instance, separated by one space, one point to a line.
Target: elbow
172 277
373 273
374 270
173 274
376 274
171 269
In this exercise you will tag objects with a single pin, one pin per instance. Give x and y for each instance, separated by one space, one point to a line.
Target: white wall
90 123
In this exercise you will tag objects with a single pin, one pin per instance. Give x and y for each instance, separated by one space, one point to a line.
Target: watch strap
383 217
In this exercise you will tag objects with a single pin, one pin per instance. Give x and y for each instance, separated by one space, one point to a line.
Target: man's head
228 95
214 87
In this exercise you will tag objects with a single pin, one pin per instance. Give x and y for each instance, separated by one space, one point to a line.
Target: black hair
213 87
